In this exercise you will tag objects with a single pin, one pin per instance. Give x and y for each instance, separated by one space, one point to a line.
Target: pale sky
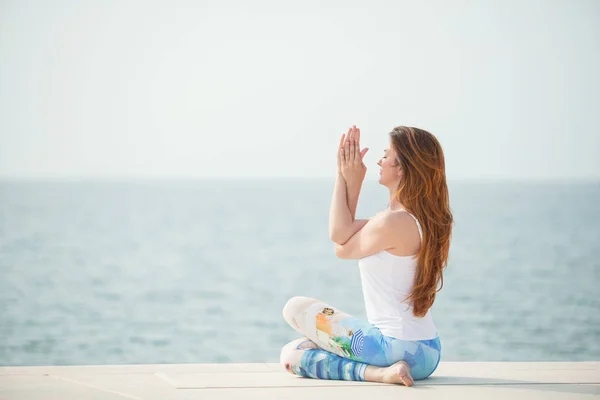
242 89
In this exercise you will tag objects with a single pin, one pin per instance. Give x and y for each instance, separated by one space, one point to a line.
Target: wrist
354 183
353 189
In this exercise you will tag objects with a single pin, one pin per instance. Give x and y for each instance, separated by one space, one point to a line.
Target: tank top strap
418 225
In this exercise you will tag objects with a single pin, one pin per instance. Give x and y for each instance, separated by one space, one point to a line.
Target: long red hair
424 193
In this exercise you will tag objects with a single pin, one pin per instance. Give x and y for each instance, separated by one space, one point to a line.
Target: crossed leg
333 346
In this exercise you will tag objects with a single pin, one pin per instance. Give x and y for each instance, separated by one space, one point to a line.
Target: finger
358 136
363 152
346 151
349 134
357 157
342 139
352 151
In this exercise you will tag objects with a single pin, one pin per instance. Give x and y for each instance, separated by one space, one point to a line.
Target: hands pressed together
350 157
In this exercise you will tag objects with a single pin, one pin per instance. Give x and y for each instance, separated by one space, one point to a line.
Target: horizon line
480 179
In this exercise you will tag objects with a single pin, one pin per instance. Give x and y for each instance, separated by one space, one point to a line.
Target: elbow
332 233
332 236
339 251
337 238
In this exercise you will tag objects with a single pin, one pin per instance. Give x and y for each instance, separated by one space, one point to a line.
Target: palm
353 135
350 157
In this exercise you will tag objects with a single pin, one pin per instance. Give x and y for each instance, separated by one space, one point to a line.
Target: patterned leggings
338 346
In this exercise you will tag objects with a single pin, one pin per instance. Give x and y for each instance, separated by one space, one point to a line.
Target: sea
198 271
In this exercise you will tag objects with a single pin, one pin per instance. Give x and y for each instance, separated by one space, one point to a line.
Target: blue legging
345 345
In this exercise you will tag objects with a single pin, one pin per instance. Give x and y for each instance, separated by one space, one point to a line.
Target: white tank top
387 280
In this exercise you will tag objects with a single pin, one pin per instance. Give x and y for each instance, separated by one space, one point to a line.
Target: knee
289 355
287 351
294 307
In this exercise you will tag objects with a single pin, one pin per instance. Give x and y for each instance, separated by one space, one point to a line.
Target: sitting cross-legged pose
401 253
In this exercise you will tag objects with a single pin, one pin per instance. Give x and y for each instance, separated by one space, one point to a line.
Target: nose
379 162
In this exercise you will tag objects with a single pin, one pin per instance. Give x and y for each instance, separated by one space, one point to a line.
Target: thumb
363 152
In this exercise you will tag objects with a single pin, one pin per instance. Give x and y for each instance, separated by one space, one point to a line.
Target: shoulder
403 230
394 220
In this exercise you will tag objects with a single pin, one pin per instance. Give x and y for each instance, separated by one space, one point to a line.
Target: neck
394 204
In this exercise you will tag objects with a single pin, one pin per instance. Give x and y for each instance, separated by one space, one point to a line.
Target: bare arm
342 225
384 231
352 194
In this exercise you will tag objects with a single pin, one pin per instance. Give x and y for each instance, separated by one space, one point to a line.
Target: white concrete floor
460 380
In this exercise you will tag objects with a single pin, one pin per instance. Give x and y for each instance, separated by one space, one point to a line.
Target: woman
401 251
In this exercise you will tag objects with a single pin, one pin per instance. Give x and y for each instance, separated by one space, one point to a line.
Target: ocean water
199 271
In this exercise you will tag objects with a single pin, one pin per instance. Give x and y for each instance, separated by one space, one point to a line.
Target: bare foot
398 373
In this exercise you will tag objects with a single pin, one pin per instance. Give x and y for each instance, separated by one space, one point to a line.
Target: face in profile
390 171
